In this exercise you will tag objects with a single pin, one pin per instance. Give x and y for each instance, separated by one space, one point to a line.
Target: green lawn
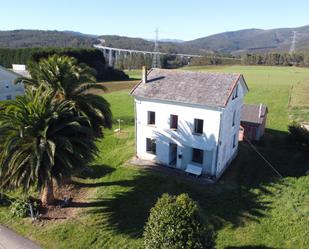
248 208
113 86
134 73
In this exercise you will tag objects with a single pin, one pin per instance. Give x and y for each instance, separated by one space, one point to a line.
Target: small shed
253 121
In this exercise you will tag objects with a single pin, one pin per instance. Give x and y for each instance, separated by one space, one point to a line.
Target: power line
267 162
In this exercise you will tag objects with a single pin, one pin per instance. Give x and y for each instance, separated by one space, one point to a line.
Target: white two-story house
189 119
9 90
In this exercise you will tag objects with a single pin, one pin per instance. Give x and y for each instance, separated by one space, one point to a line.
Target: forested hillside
40 38
255 40
235 42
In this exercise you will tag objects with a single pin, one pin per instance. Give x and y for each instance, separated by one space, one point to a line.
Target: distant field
113 86
249 208
134 73
272 86
299 102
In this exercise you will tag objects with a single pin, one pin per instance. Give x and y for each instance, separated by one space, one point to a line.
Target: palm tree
43 140
72 81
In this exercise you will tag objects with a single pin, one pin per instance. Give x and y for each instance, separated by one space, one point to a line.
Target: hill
40 38
254 40
234 42
166 46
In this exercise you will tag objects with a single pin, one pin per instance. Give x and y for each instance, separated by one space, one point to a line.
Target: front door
173 154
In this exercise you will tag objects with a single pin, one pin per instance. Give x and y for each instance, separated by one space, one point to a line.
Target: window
198 126
197 156
235 93
234 118
151 146
151 118
234 141
9 97
173 121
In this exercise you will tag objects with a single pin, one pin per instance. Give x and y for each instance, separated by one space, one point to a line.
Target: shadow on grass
249 247
235 200
127 212
104 184
250 170
96 171
5 200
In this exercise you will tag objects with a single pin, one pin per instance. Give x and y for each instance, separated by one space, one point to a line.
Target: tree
70 80
43 140
175 222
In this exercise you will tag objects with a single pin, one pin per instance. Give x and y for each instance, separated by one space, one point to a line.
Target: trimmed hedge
175 222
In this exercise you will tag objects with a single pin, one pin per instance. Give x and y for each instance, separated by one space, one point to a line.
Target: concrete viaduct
112 54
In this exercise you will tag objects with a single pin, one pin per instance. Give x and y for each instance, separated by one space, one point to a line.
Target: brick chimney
144 74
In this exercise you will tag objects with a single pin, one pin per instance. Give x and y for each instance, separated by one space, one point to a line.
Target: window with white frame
174 122
198 126
234 140
151 146
234 118
197 156
151 119
235 93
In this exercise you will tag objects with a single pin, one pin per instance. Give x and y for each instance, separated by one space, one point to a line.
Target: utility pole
292 48
156 62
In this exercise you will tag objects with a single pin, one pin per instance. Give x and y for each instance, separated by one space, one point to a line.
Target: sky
175 19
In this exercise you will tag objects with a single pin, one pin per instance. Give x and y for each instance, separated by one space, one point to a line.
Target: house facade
9 90
189 119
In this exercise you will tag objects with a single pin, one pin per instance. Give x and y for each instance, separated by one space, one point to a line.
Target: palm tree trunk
47 196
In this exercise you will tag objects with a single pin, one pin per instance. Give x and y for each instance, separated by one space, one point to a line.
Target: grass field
248 208
114 86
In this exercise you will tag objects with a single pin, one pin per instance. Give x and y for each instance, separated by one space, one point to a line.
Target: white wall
7 86
226 151
183 136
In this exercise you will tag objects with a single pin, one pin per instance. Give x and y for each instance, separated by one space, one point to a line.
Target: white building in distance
189 120
9 90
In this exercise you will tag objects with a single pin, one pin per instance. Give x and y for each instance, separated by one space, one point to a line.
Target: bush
298 135
21 208
175 222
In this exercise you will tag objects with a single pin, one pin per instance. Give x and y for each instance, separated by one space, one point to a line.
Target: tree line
137 60
215 59
276 59
272 59
90 56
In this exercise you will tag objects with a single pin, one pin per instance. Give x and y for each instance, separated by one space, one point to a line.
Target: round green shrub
21 208
175 222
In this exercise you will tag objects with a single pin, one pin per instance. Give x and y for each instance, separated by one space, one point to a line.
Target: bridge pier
110 58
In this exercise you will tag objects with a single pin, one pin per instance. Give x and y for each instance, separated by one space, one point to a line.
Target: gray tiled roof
210 89
250 113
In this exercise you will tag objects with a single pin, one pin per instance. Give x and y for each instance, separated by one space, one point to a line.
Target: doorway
173 154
